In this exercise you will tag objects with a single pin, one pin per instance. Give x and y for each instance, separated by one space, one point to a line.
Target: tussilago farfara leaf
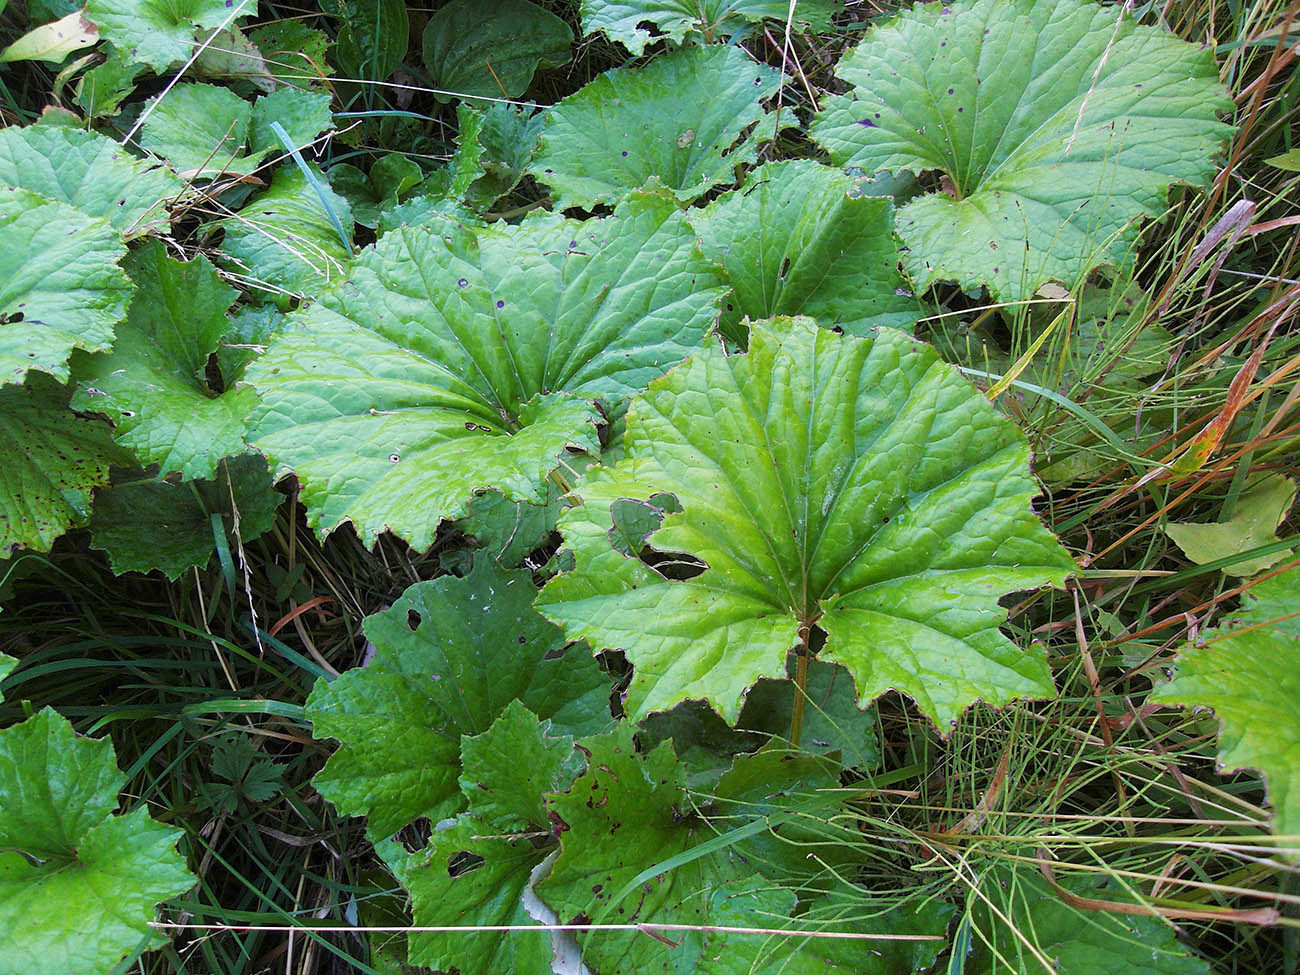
473 48
856 485
91 172
157 524
1058 125
283 240
454 360
624 20
450 655
1076 942
156 34
60 286
78 885
1248 671
794 240
684 121
472 874
153 385
51 460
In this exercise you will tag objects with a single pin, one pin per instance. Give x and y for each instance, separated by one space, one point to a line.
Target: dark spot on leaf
413 620
500 303
462 282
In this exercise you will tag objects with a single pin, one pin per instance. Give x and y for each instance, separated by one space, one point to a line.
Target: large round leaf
154 33
60 286
685 120
469 359
860 486
91 172
1058 125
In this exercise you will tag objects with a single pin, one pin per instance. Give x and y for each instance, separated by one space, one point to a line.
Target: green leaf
391 177
60 286
90 172
510 530
153 386
470 875
455 360
372 36
232 56
303 114
294 53
284 241
51 459
1078 942
156 524
102 89
857 485
1248 671
156 34
507 138
633 125
1058 123
628 815
1255 518
202 130
832 721
78 885
1289 161
508 767
450 655
472 48
622 20
796 241
7 664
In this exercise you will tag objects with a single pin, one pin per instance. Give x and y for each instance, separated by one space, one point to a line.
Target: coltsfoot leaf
1252 681
450 655
60 285
51 460
856 485
153 384
633 127
455 360
623 20
795 241
1058 125
78 885
90 172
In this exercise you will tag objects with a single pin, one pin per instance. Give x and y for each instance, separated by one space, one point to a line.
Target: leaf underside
622 20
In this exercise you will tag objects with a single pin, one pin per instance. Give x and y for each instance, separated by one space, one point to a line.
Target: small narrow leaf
860 486
53 42
633 127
